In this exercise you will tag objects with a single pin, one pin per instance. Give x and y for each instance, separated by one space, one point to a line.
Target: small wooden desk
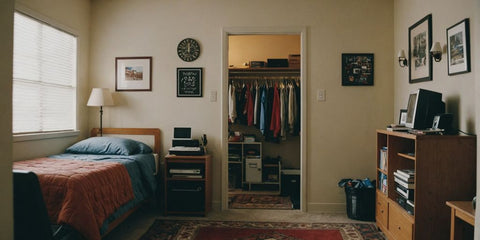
464 211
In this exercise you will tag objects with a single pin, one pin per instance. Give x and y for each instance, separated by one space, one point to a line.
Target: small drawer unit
187 186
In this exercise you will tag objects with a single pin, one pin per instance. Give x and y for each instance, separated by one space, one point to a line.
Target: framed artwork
133 74
357 69
189 82
458 47
419 44
402 119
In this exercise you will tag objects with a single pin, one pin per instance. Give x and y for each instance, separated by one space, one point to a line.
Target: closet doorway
264 166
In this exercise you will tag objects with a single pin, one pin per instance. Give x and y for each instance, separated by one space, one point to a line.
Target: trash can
360 203
360 196
291 186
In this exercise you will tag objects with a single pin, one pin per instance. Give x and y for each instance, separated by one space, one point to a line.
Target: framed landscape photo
357 69
133 74
189 82
419 44
458 48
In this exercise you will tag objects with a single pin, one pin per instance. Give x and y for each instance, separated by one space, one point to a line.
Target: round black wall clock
188 50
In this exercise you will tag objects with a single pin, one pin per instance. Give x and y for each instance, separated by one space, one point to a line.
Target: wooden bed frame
129 131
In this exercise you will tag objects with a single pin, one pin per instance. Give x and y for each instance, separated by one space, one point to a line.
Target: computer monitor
422 106
182 133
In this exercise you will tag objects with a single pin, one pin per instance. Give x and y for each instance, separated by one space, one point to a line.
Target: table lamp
98 98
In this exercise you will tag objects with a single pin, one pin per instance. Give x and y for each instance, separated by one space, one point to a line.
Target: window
44 77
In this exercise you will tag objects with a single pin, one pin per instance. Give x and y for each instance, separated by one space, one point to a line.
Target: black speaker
443 121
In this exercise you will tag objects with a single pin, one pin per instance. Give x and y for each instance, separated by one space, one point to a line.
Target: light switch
321 95
213 96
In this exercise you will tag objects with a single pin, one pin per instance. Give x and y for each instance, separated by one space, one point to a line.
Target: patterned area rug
242 201
229 230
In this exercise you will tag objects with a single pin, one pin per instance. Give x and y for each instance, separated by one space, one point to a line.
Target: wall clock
188 50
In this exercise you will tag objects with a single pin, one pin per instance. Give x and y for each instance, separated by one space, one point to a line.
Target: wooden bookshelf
445 169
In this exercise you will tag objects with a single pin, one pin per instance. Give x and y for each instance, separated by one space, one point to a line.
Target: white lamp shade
401 54
100 97
436 48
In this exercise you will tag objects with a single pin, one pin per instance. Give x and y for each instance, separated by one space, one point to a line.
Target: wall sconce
402 60
436 52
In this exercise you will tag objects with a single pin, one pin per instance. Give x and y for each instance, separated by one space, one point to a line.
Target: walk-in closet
264 122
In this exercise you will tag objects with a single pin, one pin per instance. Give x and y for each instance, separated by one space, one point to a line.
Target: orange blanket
81 194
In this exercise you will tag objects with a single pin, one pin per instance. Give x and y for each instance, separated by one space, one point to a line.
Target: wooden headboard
155 132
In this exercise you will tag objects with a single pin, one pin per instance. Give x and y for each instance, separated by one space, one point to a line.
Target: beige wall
460 91
72 16
347 120
476 66
6 48
245 48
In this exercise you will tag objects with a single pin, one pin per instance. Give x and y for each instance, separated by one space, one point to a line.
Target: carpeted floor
254 201
219 230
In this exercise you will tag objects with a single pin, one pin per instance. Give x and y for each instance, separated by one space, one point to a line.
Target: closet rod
266 72
263 77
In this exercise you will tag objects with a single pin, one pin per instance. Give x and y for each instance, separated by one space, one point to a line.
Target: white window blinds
44 77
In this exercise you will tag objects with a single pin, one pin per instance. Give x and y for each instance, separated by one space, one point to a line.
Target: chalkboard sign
189 82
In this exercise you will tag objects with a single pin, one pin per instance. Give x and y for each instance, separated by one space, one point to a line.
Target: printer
183 144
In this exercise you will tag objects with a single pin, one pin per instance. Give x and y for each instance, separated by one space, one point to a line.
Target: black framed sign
419 44
357 69
458 47
189 82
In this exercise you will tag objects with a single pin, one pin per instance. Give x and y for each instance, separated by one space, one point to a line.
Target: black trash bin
360 203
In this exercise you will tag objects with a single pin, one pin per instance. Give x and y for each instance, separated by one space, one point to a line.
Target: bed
98 182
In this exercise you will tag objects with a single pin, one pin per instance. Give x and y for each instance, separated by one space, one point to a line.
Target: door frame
302 31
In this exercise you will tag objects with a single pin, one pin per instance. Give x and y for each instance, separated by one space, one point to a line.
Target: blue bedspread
140 167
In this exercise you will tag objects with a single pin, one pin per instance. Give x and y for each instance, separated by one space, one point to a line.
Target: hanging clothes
232 108
296 124
283 111
271 106
291 107
248 110
275 121
263 103
240 103
256 108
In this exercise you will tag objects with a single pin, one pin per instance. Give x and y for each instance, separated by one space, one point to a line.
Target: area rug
230 230
254 201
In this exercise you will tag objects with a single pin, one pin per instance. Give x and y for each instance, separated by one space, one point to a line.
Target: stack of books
405 187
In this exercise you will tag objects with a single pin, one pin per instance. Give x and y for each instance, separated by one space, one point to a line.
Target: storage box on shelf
246 160
443 169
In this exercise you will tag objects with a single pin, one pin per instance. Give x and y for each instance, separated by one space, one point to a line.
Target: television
422 107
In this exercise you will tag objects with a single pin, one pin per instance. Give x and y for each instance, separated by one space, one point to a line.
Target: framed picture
189 82
419 44
357 69
402 119
458 47
133 74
